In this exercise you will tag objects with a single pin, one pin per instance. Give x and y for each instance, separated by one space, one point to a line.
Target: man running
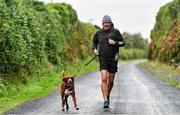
106 43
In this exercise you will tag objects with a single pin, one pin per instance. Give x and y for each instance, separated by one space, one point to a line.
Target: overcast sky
127 15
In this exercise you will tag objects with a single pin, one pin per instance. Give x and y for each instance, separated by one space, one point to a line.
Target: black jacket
100 42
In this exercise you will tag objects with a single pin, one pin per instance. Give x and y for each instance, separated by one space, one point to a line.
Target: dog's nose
69 81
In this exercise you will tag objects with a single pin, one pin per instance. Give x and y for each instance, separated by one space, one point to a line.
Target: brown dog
67 88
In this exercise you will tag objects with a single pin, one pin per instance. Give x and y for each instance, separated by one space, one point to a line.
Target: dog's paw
77 108
63 109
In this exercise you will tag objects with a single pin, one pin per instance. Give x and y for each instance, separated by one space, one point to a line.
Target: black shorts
110 65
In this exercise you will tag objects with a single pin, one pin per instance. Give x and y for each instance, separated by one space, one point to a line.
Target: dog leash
85 65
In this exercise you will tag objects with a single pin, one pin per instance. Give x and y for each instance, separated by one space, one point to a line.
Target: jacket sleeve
95 41
120 40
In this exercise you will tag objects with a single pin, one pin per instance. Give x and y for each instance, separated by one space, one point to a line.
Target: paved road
135 92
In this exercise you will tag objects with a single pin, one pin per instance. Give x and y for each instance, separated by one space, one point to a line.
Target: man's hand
96 52
111 41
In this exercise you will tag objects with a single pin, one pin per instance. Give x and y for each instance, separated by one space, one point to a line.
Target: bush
127 54
165 33
33 34
135 41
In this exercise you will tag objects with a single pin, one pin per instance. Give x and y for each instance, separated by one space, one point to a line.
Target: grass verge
162 67
37 87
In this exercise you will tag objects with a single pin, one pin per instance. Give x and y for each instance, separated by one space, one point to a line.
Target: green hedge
128 54
165 34
34 35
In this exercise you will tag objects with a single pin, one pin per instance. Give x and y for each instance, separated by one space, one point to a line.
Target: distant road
135 92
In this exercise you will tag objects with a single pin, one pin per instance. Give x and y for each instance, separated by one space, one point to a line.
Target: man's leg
112 70
110 83
104 83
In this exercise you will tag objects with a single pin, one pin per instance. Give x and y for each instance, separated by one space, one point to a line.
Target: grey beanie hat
106 18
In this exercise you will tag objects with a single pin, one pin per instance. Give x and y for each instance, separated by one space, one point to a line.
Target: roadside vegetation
165 36
164 48
136 47
163 71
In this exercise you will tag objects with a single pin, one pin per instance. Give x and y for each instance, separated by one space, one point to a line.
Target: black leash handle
85 65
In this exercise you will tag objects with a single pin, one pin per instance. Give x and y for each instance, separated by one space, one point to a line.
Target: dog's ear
64 79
